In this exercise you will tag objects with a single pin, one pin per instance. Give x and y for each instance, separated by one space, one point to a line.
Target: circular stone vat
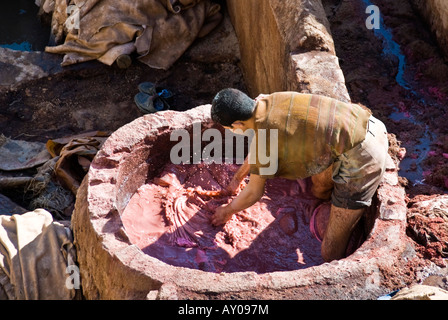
114 267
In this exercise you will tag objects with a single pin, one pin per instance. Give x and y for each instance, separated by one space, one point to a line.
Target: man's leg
321 187
339 229
322 184
359 173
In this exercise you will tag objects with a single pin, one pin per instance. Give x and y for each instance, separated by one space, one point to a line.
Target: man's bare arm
239 176
249 196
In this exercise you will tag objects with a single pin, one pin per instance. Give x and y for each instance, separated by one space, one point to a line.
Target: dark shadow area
20 27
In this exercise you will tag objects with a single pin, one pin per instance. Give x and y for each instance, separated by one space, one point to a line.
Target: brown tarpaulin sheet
158 30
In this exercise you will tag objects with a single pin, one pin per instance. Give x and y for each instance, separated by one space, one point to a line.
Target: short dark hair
231 105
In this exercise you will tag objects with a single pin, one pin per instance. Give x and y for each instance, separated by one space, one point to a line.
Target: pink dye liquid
170 222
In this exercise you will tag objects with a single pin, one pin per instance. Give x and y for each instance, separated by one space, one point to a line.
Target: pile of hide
158 31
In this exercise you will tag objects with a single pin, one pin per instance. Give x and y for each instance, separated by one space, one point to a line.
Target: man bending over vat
341 146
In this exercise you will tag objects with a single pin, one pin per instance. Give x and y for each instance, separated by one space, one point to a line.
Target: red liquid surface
166 219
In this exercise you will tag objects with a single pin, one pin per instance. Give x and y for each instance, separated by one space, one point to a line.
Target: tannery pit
141 223
133 158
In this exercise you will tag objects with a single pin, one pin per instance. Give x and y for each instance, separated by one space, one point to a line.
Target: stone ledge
287 45
19 66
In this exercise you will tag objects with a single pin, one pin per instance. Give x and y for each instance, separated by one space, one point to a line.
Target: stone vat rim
217 282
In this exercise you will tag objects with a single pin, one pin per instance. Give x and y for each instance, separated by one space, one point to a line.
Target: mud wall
291 35
436 14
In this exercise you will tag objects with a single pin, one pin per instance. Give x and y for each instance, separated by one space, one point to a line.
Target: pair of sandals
148 100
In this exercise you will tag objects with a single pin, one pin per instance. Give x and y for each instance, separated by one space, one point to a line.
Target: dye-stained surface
170 220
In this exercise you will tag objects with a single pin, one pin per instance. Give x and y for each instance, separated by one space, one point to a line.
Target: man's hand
250 194
222 215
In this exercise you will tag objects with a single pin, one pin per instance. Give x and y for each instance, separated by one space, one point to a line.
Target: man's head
230 106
